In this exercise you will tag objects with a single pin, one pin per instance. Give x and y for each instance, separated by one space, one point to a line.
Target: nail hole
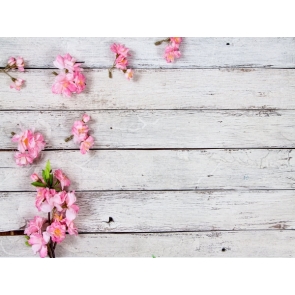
227 44
111 127
223 249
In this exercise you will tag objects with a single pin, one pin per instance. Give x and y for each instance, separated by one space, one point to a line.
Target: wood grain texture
228 88
159 169
204 244
196 52
164 211
158 129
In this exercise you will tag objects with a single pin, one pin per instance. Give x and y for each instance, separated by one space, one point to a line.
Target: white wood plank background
190 158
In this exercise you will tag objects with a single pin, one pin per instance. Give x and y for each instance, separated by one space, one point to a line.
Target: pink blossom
129 74
86 145
67 62
171 53
58 200
45 199
17 84
72 230
20 64
121 62
36 145
23 159
64 84
35 225
85 118
57 231
120 49
39 243
23 140
35 177
11 62
64 181
80 130
79 80
175 41
71 208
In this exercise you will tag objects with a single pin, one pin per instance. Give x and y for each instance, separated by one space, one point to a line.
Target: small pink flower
120 49
121 62
36 145
129 74
35 225
58 201
64 181
23 140
23 159
86 145
35 177
39 243
71 208
45 199
11 62
17 84
20 64
85 118
175 41
56 231
72 230
79 80
80 131
66 62
171 53
64 84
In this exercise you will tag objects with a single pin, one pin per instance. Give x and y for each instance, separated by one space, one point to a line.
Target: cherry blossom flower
80 131
64 181
20 64
70 79
85 118
57 231
39 243
129 74
17 84
23 159
121 60
86 145
11 62
35 225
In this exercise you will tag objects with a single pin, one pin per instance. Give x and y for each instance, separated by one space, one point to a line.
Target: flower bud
85 118
35 177
11 62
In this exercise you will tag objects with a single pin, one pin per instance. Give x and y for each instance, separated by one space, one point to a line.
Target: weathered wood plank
158 89
159 129
196 52
159 169
164 211
203 244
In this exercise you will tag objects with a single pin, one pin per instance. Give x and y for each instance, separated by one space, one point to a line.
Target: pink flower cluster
172 50
52 198
30 145
15 63
121 60
70 79
80 134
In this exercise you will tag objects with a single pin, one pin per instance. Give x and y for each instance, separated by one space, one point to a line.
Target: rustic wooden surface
191 159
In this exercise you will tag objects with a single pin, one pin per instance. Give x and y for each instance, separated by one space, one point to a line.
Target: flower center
57 232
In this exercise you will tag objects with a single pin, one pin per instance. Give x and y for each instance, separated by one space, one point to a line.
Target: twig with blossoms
70 79
80 134
172 50
43 234
15 63
30 144
121 60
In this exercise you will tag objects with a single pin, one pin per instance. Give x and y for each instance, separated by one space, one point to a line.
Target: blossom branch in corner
13 64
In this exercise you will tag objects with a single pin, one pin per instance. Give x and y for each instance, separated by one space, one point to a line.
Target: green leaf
40 184
51 180
44 176
153 256
27 243
27 237
47 171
